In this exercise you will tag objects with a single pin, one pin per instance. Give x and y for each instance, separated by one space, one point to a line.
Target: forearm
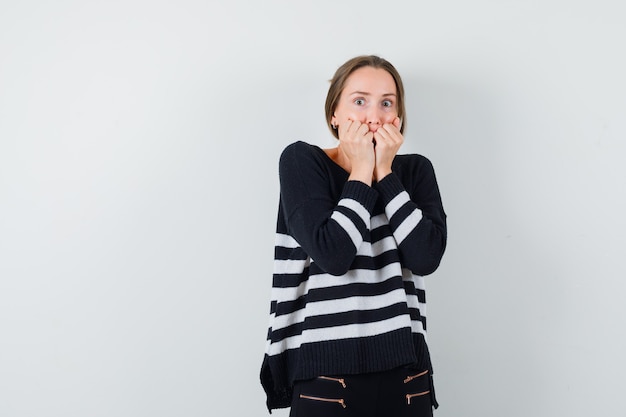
419 230
331 233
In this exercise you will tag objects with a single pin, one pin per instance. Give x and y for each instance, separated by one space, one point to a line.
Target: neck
341 159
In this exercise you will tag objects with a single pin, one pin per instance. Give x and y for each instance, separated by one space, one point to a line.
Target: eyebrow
363 93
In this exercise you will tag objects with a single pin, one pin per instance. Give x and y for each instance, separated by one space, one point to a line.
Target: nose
374 120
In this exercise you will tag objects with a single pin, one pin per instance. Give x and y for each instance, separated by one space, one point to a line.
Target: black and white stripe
375 297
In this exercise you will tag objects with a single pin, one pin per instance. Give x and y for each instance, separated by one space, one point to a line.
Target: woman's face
369 97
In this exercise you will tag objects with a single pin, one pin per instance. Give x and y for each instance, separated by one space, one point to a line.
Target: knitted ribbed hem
361 355
275 382
389 187
360 192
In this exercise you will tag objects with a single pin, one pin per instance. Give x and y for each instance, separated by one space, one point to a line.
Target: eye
387 103
359 101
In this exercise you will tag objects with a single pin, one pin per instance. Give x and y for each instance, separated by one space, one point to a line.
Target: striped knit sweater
348 288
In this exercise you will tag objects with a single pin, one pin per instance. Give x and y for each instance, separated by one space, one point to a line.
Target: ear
333 120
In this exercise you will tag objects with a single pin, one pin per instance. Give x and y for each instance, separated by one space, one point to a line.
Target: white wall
138 193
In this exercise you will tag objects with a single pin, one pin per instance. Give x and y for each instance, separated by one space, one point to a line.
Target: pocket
410 378
417 389
341 381
339 401
321 396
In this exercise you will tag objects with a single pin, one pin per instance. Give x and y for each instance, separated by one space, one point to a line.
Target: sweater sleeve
416 215
328 229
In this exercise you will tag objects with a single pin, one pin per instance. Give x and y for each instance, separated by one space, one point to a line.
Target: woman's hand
388 141
356 142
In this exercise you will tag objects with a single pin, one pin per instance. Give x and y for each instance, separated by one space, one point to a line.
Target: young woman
359 227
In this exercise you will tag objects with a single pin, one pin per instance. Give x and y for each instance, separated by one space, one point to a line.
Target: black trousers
397 393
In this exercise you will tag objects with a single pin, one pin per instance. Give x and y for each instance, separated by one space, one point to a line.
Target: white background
139 143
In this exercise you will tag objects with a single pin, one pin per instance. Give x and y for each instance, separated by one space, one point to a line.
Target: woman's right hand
356 142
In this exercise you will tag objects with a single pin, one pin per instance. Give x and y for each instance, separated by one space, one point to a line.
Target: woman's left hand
388 141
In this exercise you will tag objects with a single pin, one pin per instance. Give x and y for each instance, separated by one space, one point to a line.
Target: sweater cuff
389 187
361 192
